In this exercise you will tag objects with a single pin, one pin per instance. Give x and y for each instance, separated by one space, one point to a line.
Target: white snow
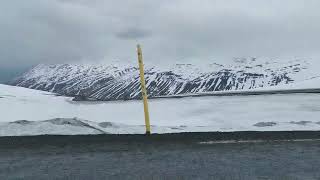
233 113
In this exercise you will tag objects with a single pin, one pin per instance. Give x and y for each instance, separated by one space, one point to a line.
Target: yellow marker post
144 91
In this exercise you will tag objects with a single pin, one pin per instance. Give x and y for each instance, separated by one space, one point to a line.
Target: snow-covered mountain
118 81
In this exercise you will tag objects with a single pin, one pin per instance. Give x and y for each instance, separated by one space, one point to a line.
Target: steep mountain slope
117 81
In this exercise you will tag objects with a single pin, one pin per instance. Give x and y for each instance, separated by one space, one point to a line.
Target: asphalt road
244 155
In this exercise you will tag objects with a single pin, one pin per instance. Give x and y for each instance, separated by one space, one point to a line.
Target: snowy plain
31 112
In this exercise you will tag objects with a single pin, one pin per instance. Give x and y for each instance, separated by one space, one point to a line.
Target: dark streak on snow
73 122
300 122
61 121
22 122
265 124
105 124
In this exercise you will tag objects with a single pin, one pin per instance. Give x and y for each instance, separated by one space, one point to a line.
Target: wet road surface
245 155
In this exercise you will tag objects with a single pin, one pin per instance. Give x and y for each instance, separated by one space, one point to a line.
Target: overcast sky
198 31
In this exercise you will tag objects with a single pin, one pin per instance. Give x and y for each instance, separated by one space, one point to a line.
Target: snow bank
41 112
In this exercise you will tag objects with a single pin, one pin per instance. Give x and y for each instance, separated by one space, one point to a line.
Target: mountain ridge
116 81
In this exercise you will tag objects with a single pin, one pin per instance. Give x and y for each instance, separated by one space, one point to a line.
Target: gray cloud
55 31
133 33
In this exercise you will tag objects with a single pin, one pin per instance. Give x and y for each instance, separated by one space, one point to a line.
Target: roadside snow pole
144 91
